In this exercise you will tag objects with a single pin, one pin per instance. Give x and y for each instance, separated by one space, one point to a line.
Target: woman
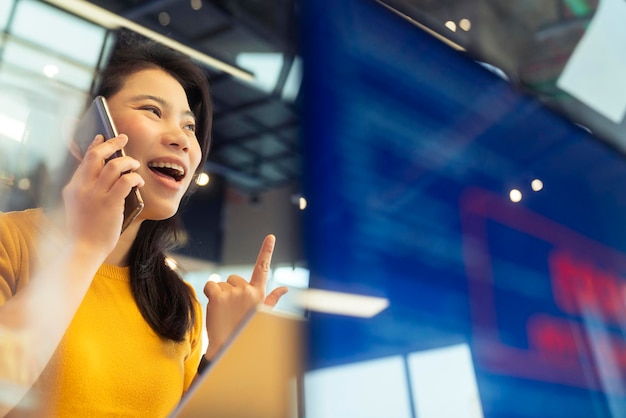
105 326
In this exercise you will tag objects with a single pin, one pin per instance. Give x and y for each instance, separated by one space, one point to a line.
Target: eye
155 110
191 127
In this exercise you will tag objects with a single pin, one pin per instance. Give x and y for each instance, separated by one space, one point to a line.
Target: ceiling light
298 200
515 195
536 185
451 25
164 18
196 4
203 179
426 29
50 70
465 24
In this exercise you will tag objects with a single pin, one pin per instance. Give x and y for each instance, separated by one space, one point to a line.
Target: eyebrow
160 100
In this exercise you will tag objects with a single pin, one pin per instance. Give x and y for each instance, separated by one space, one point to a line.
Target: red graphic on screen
578 345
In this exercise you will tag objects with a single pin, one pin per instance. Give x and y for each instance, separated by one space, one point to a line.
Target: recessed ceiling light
164 18
536 185
50 70
515 195
451 25
465 24
196 4
203 179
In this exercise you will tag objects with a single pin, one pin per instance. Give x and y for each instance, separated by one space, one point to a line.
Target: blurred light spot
171 263
50 70
465 24
203 179
515 195
196 4
23 184
164 18
536 185
451 25
12 128
292 276
215 277
298 200
341 303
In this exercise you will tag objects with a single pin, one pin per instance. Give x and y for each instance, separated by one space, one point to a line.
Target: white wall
246 224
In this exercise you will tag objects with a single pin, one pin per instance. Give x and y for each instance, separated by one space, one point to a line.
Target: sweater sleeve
15 366
11 262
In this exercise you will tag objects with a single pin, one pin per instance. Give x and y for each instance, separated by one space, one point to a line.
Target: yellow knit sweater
109 362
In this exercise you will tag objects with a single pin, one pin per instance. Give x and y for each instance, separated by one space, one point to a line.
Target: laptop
258 373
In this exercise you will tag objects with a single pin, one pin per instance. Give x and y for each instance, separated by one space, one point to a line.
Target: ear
68 126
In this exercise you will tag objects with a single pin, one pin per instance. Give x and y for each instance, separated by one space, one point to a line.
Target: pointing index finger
262 266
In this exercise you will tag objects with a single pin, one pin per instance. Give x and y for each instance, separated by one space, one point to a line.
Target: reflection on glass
55 31
5 11
444 383
45 76
375 388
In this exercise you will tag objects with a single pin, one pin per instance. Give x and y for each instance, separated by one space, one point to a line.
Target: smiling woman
100 308
162 129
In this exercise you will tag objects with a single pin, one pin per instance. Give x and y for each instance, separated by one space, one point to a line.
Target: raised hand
230 301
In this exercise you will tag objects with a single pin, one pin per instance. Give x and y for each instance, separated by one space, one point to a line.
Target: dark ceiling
256 132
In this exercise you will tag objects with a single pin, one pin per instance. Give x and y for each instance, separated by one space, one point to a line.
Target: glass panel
48 65
412 155
58 31
5 11
41 63
375 388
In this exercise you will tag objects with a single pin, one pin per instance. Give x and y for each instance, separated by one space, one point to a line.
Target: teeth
171 166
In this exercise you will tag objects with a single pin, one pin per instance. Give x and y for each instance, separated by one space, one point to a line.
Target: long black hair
164 300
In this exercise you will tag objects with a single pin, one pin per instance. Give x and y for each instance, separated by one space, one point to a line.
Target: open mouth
172 170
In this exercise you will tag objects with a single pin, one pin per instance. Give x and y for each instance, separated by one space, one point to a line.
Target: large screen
494 227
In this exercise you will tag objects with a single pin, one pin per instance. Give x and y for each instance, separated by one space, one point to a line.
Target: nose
177 137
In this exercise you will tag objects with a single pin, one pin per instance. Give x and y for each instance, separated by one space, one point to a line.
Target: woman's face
152 109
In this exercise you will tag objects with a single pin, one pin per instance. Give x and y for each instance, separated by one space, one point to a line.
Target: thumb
272 299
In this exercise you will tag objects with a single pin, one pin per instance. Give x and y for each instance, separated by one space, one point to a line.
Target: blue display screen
413 156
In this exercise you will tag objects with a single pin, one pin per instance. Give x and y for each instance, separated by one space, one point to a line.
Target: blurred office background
459 165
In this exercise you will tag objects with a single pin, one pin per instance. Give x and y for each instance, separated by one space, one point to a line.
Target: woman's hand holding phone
94 198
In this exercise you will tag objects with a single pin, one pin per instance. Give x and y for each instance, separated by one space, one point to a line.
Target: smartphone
97 120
